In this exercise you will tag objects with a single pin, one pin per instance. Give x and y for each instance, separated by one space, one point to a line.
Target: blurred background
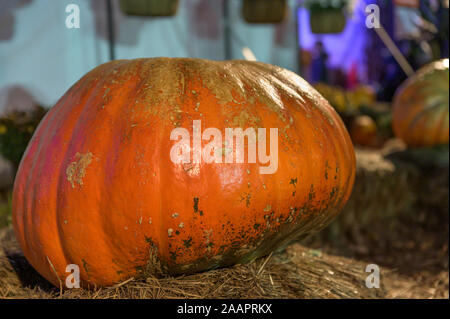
42 58
44 49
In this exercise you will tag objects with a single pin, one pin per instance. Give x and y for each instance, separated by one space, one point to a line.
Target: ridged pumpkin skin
421 107
96 186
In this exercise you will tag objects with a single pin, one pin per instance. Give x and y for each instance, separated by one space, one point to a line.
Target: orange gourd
97 187
363 131
421 107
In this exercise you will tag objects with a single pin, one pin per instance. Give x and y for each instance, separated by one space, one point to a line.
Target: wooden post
110 27
227 30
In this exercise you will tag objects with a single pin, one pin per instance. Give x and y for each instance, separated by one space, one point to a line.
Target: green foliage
5 209
16 130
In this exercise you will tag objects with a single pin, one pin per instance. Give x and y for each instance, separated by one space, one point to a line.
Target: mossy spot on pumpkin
333 192
293 181
327 166
247 200
196 204
312 193
85 266
173 255
187 243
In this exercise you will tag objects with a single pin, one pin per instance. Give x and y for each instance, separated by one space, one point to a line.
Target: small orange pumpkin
97 186
363 131
421 107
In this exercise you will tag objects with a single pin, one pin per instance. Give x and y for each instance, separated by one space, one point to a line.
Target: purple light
345 50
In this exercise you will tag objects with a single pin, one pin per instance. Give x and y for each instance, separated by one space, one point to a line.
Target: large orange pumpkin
421 107
97 188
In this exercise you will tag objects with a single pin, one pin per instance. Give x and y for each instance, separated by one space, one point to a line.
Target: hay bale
391 185
433 166
382 190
